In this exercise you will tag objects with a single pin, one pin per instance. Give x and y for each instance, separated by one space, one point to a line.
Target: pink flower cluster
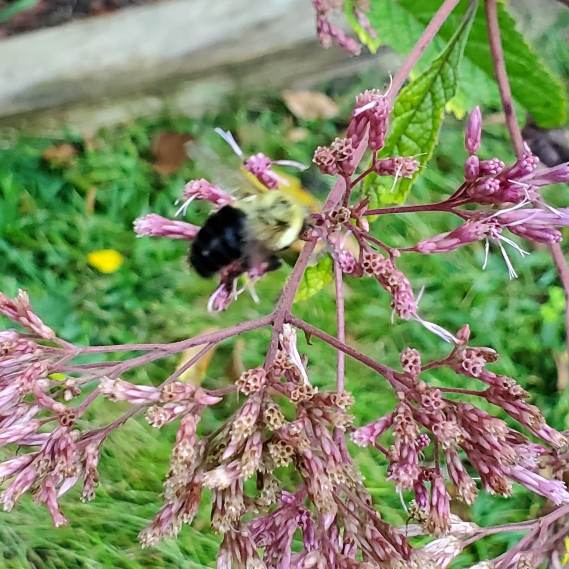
514 193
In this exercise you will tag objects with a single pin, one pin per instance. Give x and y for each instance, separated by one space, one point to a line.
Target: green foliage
534 86
315 279
15 8
418 115
47 230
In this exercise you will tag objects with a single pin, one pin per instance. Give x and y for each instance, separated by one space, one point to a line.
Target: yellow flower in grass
566 558
105 260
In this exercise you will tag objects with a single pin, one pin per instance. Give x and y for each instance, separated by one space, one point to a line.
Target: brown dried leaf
235 366
90 200
195 374
310 105
60 154
169 152
297 134
562 363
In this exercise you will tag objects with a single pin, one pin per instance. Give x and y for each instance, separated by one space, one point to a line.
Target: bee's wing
233 180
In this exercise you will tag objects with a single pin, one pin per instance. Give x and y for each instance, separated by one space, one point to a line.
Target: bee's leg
274 263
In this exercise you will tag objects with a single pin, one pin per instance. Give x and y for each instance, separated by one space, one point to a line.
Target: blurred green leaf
418 115
315 279
554 309
372 43
15 8
534 86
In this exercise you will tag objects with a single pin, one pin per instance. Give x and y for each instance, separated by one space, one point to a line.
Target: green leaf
372 43
315 279
534 86
418 114
16 8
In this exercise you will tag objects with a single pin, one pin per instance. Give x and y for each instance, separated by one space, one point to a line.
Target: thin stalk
175 347
396 381
340 326
284 307
422 43
502 76
445 206
516 136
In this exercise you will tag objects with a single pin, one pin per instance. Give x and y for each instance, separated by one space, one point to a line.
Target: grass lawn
52 216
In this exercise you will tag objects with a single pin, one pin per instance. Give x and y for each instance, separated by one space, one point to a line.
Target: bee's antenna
292 163
228 137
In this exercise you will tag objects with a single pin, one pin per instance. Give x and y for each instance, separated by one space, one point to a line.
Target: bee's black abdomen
219 242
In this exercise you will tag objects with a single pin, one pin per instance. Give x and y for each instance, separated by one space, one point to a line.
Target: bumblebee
249 232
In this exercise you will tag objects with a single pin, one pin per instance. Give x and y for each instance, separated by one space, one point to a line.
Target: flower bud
472 168
260 166
153 225
473 131
491 167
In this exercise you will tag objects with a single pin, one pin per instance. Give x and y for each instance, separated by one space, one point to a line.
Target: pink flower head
556 175
202 190
20 311
153 225
554 490
535 224
398 166
438 522
372 110
328 33
260 166
522 168
491 167
472 168
364 436
469 232
473 131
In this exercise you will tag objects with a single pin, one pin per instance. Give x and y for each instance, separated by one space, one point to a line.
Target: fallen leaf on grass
90 200
297 134
195 374
562 363
235 366
105 260
60 154
169 152
310 105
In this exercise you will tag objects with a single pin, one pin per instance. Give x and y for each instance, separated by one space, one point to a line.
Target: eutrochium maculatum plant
340 526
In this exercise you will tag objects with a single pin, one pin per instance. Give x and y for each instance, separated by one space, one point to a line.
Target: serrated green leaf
418 114
534 86
315 279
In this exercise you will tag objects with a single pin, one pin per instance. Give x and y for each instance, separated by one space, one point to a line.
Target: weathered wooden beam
183 55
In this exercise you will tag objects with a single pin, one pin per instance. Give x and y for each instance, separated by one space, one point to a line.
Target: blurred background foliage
58 206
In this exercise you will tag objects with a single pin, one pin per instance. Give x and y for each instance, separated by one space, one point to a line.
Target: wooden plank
180 55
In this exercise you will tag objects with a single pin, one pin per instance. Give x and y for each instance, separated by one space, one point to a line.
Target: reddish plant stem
396 380
284 306
561 266
174 347
477 393
422 43
287 298
192 361
358 180
541 525
340 326
158 351
502 76
90 398
445 206
516 135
